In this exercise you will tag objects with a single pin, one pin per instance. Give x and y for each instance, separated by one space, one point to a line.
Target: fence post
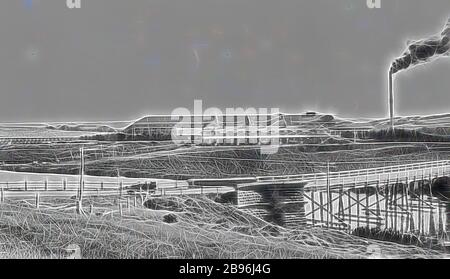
2 195
37 200
120 209
26 185
64 184
46 185
313 210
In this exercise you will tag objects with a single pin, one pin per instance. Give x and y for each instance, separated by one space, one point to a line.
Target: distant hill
85 128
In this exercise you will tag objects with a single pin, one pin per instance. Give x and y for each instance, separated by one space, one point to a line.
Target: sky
119 60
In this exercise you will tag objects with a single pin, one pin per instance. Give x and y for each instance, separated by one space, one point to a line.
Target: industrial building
231 129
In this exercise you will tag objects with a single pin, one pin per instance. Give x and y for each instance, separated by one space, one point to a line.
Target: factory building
231 129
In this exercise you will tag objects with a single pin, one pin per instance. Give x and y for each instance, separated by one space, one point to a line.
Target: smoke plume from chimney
424 51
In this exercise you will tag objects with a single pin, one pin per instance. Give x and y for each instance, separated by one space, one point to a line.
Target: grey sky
117 59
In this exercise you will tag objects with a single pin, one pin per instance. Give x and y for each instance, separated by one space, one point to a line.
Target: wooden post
91 209
102 187
341 202
411 205
64 184
422 205
128 205
79 204
358 209
406 195
349 206
377 198
441 223
120 209
26 185
367 202
313 218
432 226
135 201
2 195
329 199
402 215
386 205
46 185
395 203
321 206
37 200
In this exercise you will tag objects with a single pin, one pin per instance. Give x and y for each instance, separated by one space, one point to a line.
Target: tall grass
202 229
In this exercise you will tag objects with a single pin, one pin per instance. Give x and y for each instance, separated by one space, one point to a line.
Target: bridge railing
360 172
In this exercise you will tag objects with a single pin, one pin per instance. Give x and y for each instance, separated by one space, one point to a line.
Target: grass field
182 226
177 227
165 160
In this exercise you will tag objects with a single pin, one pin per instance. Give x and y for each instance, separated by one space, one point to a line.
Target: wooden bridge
366 177
398 197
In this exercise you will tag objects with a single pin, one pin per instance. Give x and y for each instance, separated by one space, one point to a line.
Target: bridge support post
357 203
377 198
321 206
367 200
395 189
341 202
386 204
441 223
329 199
349 206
